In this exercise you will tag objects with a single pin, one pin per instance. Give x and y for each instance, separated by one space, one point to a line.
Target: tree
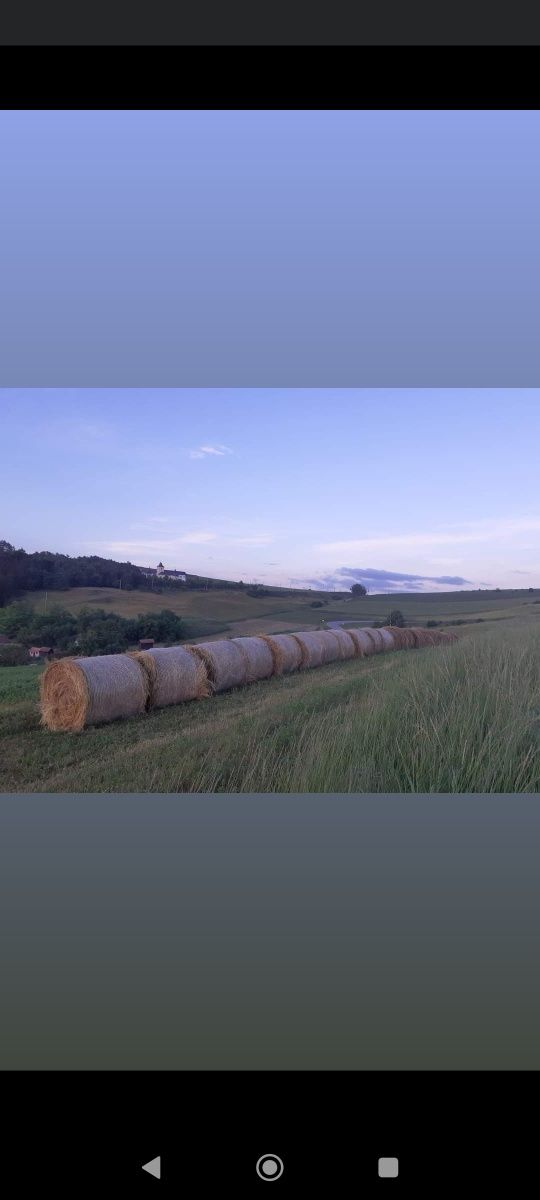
164 626
396 618
258 590
16 618
57 628
358 589
13 655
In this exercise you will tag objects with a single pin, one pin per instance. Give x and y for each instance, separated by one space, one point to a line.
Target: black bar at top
270 77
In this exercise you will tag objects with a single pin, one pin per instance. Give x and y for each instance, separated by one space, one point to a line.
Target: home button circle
269 1167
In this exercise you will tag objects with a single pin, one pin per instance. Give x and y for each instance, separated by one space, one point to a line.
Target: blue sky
404 489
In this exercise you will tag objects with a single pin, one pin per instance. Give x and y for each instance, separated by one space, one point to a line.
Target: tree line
91 631
44 571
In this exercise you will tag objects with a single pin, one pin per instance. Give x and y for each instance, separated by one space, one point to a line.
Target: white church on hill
161 572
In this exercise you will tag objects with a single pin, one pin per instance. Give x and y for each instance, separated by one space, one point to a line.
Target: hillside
224 611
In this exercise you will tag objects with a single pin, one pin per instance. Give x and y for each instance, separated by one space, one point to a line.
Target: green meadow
459 718
225 611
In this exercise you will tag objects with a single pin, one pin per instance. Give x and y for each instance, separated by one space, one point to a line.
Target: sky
401 489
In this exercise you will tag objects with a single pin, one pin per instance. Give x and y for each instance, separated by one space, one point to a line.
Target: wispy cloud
197 537
171 546
217 451
249 541
157 545
151 523
481 531
372 576
377 580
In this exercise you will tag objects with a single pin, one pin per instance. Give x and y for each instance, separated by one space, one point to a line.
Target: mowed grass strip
462 718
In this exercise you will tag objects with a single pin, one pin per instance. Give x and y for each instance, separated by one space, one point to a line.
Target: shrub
258 591
13 655
164 626
396 618
16 617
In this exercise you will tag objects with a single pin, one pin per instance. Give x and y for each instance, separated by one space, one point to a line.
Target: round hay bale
174 674
330 644
225 664
430 637
396 635
346 646
312 648
286 652
422 637
388 641
258 656
402 637
390 632
376 637
426 637
76 692
363 643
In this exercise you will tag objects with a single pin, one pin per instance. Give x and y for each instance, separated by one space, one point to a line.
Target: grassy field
462 718
218 611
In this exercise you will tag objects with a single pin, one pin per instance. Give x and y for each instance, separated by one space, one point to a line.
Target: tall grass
463 718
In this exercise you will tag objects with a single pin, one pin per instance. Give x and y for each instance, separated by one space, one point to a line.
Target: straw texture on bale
225 664
345 645
436 637
330 645
376 637
428 637
286 652
84 691
312 648
258 656
424 637
76 692
403 638
388 641
174 674
363 643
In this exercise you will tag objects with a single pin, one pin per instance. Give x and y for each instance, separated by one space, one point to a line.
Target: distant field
216 610
223 611
460 718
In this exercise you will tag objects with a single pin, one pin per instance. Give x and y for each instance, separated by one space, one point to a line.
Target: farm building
146 644
40 652
161 572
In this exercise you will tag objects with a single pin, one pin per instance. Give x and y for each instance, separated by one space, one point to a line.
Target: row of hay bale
76 692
